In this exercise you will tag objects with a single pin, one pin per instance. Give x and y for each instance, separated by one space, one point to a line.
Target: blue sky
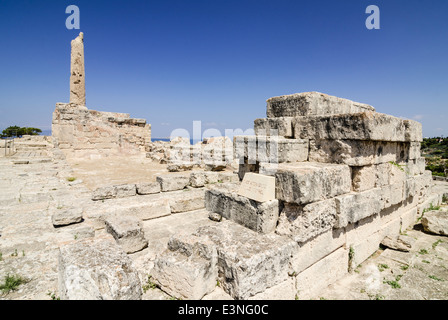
175 62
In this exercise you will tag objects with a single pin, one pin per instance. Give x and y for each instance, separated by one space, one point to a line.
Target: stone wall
346 177
80 132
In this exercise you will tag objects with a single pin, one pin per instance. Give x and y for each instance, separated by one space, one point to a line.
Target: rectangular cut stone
416 166
172 182
307 182
273 149
356 206
358 152
274 126
303 222
188 200
413 131
321 274
148 188
357 126
312 103
392 194
97 269
258 187
261 217
364 178
249 262
127 231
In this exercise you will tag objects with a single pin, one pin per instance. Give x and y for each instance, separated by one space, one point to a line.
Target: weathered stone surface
189 200
64 217
125 190
172 182
312 103
357 126
188 269
97 270
303 222
215 216
148 188
260 217
274 127
307 182
436 222
392 194
271 149
400 243
353 207
248 262
200 178
102 193
127 231
364 178
358 152
77 72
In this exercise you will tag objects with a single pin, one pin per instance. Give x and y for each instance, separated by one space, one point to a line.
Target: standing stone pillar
77 73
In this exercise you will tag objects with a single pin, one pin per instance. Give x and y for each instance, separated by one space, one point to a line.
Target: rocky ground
32 191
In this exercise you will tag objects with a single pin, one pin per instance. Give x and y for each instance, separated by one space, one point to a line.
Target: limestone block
392 194
358 152
257 187
409 188
271 149
416 166
413 131
415 150
400 242
200 178
144 210
249 263
307 182
357 126
97 269
408 219
274 127
354 207
125 190
321 274
102 193
127 231
189 278
436 222
282 291
172 182
303 222
261 217
63 217
364 178
313 250
431 200
363 249
312 103
189 200
148 188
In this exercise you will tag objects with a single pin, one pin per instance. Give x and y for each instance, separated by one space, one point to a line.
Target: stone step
224 199
147 207
247 262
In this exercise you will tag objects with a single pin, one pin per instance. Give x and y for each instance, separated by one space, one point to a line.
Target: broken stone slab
172 182
358 152
274 127
66 217
400 243
127 231
303 222
188 269
436 222
356 206
312 103
306 182
271 149
261 217
357 126
248 262
97 269
148 188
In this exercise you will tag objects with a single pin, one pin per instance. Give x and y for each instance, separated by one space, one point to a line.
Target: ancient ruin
300 205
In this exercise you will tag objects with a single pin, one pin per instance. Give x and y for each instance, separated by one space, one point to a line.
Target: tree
16 131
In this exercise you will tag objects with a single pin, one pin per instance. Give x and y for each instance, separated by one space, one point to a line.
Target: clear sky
174 62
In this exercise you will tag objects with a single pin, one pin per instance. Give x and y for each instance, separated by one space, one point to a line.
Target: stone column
77 73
